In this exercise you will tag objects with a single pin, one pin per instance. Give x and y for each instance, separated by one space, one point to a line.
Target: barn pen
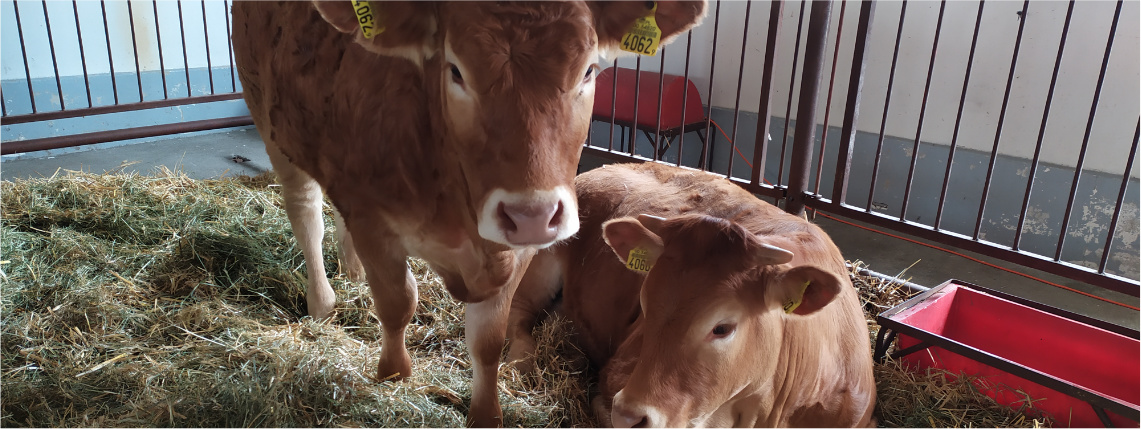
995 141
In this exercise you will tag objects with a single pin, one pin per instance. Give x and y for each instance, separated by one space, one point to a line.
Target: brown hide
703 338
453 135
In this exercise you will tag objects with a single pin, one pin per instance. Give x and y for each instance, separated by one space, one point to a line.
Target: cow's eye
723 330
589 74
456 76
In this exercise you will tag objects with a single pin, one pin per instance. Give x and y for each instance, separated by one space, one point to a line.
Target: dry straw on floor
132 300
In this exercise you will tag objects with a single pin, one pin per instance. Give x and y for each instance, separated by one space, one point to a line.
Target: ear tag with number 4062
368 18
639 260
644 37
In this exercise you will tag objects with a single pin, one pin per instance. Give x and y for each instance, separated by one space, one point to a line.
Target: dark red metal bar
230 47
24 52
161 63
886 108
123 134
1042 127
82 55
765 116
637 85
828 99
613 104
1001 119
707 148
791 90
135 49
110 56
661 86
55 63
740 79
1120 201
116 108
1085 138
684 97
813 73
206 38
958 119
848 129
922 113
185 57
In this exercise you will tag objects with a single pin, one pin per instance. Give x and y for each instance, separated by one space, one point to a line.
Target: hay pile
132 300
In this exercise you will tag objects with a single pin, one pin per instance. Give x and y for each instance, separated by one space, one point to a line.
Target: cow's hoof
521 358
525 365
395 369
485 418
320 307
352 269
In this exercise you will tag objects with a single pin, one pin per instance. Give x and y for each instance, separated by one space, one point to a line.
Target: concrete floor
240 151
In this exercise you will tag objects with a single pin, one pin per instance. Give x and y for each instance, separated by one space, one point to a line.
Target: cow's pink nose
529 224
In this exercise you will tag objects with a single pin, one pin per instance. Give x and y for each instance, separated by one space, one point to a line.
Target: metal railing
800 187
128 74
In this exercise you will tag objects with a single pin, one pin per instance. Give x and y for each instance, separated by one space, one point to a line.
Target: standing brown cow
452 135
746 317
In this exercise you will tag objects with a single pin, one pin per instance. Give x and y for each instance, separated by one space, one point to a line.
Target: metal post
801 165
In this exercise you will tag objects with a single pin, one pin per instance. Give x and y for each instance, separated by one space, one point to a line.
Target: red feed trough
1087 372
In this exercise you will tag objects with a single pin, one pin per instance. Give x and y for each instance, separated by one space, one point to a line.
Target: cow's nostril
505 221
557 218
644 423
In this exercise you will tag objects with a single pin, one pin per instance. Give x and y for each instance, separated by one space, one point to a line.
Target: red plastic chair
676 105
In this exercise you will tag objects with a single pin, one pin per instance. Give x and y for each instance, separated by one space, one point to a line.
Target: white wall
63 27
1117 111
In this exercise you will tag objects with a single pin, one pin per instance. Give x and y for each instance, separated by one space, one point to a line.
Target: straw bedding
158 300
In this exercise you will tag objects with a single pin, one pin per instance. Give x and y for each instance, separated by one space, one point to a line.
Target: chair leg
625 137
653 143
701 162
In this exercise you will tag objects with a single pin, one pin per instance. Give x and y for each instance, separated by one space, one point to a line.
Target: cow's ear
803 290
396 28
635 245
613 19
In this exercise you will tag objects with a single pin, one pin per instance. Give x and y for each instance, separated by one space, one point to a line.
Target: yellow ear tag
644 37
793 303
639 260
367 17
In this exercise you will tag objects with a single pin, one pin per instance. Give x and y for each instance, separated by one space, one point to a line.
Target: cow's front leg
393 291
394 295
485 331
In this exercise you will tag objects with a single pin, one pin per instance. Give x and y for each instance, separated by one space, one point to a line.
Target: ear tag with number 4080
639 260
644 37
368 18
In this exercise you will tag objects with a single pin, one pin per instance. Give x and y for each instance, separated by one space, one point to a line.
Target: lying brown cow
746 317
453 135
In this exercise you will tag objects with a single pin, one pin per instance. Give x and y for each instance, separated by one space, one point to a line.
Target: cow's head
714 301
516 89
